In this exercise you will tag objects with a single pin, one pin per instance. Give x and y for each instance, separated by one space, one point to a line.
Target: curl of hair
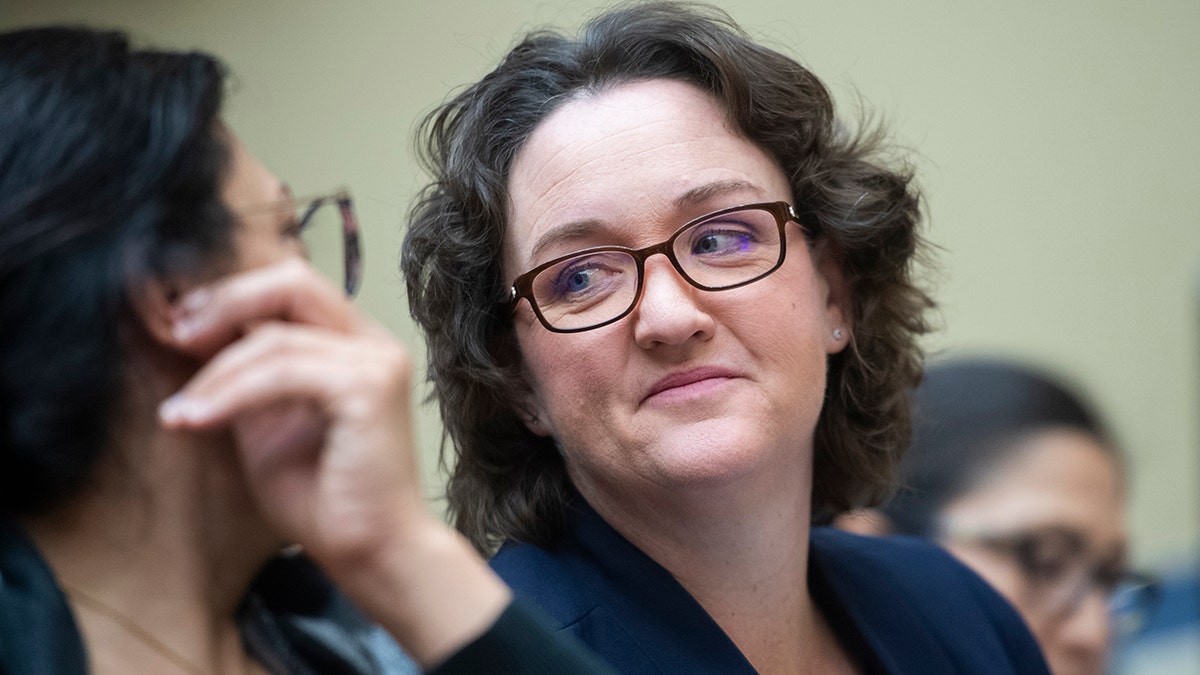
111 162
509 483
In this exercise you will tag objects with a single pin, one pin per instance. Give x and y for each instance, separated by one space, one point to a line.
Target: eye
1110 574
583 279
292 228
723 239
1049 556
577 280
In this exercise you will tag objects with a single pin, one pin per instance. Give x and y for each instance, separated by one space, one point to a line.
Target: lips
694 378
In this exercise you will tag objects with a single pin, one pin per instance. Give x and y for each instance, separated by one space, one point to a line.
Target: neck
164 535
741 550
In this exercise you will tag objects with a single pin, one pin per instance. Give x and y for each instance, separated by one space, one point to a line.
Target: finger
282 361
214 316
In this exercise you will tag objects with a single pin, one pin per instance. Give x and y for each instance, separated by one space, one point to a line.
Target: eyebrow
703 193
698 195
565 232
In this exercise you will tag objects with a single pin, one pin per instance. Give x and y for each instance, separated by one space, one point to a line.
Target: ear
532 411
839 299
153 303
529 405
870 522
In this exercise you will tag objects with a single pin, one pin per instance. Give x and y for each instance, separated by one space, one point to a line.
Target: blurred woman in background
1015 475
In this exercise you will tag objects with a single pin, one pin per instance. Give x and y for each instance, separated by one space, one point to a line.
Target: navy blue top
897 605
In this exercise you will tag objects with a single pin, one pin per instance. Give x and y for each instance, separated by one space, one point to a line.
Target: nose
668 312
1083 635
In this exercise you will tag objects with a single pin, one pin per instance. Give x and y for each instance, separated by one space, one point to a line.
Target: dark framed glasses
718 251
329 229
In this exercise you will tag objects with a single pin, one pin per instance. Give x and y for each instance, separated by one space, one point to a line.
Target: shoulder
295 619
561 582
589 567
601 590
901 561
921 574
521 642
902 592
37 630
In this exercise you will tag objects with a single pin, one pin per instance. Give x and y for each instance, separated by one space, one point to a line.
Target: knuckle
295 270
274 333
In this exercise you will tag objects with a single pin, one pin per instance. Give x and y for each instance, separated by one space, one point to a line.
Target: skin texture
711 475
1060 478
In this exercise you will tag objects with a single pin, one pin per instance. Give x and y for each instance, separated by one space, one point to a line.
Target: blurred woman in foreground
145 256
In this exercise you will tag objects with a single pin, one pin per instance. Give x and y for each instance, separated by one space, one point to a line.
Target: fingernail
180 408
196 299
187 323
185 328
171 410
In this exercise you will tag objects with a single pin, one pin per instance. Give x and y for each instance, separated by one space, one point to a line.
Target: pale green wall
1058 146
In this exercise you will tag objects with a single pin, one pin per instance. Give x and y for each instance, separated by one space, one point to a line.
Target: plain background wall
1057 143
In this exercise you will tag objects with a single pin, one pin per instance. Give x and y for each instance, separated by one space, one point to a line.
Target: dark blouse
293 621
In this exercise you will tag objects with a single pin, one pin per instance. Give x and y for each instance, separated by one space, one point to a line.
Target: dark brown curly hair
506 482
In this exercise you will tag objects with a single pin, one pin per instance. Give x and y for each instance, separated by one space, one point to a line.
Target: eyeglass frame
1013 545
522 286
351 247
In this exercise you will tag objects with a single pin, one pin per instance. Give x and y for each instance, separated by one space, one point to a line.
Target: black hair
111 164
969 417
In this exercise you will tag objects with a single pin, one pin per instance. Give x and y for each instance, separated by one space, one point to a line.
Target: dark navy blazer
897 605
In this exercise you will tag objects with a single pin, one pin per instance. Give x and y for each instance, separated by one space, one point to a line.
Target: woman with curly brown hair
672 319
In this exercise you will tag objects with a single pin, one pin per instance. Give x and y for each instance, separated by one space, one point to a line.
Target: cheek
260 246
789 333
567 372
254 250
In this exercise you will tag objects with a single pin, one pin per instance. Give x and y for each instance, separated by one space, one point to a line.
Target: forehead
1057 477
621 159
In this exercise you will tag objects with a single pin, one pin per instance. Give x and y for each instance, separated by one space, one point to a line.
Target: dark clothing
897 605
293 621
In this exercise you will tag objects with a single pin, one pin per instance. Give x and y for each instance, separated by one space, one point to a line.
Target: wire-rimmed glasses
596 286
1060 573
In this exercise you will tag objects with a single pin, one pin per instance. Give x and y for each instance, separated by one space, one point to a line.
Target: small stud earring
837 333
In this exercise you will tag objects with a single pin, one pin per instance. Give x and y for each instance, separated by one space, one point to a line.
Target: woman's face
1058 503
693 388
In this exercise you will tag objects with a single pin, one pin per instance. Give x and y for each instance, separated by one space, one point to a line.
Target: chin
720 458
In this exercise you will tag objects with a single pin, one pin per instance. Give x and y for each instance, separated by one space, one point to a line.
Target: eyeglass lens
1062 575
330 240
725 250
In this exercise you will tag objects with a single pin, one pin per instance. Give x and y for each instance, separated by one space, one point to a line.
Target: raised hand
318 398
